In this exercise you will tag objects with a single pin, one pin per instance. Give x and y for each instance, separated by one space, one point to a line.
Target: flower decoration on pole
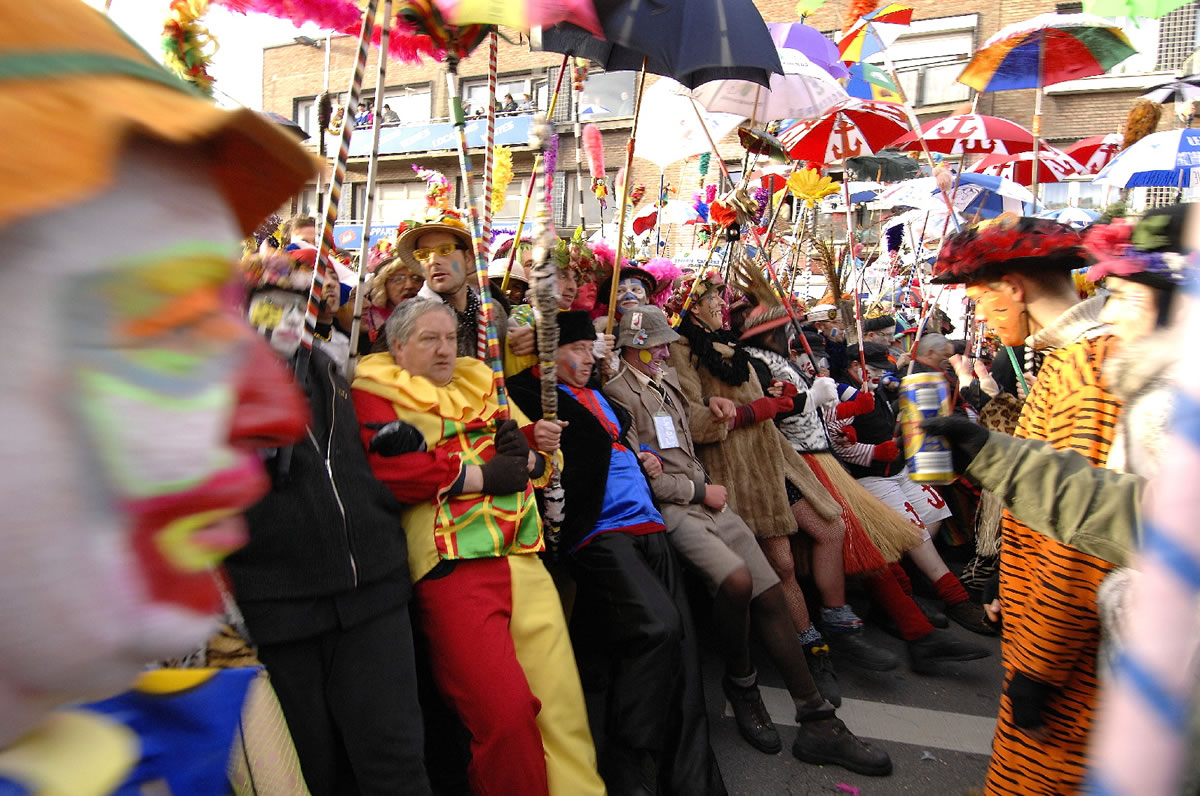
187 45
809 185
502 176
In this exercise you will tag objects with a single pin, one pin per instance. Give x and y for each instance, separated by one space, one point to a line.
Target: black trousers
633 614
349 696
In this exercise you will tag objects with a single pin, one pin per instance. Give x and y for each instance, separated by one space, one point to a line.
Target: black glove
504 475
1028 697
965 438
395 438
510 440
991 591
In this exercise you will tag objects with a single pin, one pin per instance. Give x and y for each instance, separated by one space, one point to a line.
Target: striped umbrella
1054 165
868 81
1095 152
856 127
1048 49
969 134
873 33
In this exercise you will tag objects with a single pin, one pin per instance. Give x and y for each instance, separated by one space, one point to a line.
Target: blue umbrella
1163 159
1074 216
679 39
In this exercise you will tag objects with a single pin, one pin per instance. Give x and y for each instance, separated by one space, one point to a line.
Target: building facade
928 58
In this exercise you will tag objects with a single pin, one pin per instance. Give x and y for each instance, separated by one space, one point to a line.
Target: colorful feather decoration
502 175
593 150
1143 120
187 45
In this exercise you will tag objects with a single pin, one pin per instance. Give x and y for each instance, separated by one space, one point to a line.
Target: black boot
932 648
852 647
971 615
822 738
753 720
820 666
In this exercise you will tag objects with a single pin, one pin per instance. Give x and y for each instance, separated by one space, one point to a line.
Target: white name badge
664 427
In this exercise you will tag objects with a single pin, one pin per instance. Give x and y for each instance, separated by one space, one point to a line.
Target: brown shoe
822 738
753 720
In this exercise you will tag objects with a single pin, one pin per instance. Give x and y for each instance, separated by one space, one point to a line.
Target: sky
237 65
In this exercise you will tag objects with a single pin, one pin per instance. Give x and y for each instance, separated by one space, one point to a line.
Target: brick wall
295 72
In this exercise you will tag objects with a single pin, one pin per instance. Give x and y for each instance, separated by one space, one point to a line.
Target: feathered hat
1005 244
1151 251
766 311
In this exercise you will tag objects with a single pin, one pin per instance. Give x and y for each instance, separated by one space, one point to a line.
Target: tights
778 550
828 563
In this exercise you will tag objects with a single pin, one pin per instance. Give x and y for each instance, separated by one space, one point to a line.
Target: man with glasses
443 249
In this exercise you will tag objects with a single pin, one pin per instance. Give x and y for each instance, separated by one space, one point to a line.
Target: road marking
934 729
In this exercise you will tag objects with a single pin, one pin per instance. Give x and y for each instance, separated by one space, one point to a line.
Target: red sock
899 606
901 577
950 589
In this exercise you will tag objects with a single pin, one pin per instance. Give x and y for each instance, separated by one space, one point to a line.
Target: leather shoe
753 720
820 666
936 647
822 738
853 648
971 615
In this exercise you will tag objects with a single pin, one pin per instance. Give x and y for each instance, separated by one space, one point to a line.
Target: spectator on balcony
526 103
364 117
510 104
389 115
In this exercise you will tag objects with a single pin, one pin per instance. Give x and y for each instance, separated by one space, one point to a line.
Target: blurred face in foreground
137 402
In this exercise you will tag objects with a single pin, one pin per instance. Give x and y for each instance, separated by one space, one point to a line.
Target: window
1068 8
591 205
398 201
1055 194
475 95
607 95
412 104
514 200
1178 39
306 200
306 115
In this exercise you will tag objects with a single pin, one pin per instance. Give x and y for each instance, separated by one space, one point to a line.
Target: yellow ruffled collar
470 395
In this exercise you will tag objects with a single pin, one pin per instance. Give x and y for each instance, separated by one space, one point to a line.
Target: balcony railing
511 130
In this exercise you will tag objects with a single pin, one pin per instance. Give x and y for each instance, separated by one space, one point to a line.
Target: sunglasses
425 255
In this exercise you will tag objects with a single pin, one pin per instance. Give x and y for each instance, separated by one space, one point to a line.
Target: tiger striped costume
1048 590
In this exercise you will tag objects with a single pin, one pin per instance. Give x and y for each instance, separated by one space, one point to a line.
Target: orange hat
74 90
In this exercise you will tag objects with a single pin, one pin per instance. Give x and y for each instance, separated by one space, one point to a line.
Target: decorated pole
489 155
533 177
364 252
624 199
320 272
489 340
577 87
1037 119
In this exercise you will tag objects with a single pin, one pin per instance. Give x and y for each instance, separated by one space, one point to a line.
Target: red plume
593 150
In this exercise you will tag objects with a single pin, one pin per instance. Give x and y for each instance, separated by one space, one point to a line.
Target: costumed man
881 329
323 583
635 287
770 486
863 433
442 248
137 401
1018 271
630 593
498 642
824 321
722 549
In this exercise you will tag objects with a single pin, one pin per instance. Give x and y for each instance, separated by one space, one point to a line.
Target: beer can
924 395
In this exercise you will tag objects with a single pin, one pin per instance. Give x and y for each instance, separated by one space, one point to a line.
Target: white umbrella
1164 159
804 91
668 128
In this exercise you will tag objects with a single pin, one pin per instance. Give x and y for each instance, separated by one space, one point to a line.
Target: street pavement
937 729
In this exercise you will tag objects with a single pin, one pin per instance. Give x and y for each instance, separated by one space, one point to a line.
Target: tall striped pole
321 272
364 252
487 329
489 155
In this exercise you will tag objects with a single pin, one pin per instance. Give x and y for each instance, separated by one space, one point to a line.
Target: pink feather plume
593 150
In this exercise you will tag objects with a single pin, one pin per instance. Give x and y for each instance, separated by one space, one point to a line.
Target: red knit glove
849 435
789 390
886 452
760 409
860 404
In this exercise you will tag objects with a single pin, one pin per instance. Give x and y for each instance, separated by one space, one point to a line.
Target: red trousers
466 616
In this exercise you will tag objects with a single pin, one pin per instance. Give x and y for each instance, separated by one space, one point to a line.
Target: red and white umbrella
856 127
969 134
1095 152
1054 165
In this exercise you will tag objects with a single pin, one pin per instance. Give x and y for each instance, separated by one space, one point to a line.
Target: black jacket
327 529
587 453
876 426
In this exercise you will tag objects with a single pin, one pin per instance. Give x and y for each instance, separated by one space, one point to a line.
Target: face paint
278 315
1001 311
446 273
585 297
645 356
630 293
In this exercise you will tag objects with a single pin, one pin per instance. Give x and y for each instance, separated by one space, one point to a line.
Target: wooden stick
637 113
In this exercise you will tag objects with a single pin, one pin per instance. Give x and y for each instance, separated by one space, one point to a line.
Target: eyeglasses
400 279
425 255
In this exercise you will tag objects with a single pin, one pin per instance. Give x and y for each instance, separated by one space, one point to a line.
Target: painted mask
1001 311
631 292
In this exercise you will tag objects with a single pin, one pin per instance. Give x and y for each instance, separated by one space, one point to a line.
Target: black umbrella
884 166
286 124
1186 89
692 41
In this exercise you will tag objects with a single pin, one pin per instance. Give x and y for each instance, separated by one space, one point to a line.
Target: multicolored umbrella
803 91
970 134
1073 216
856 127
1132 8
1048 49
1095 152
868 81
1164 159
1054 165
873 33
975 194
